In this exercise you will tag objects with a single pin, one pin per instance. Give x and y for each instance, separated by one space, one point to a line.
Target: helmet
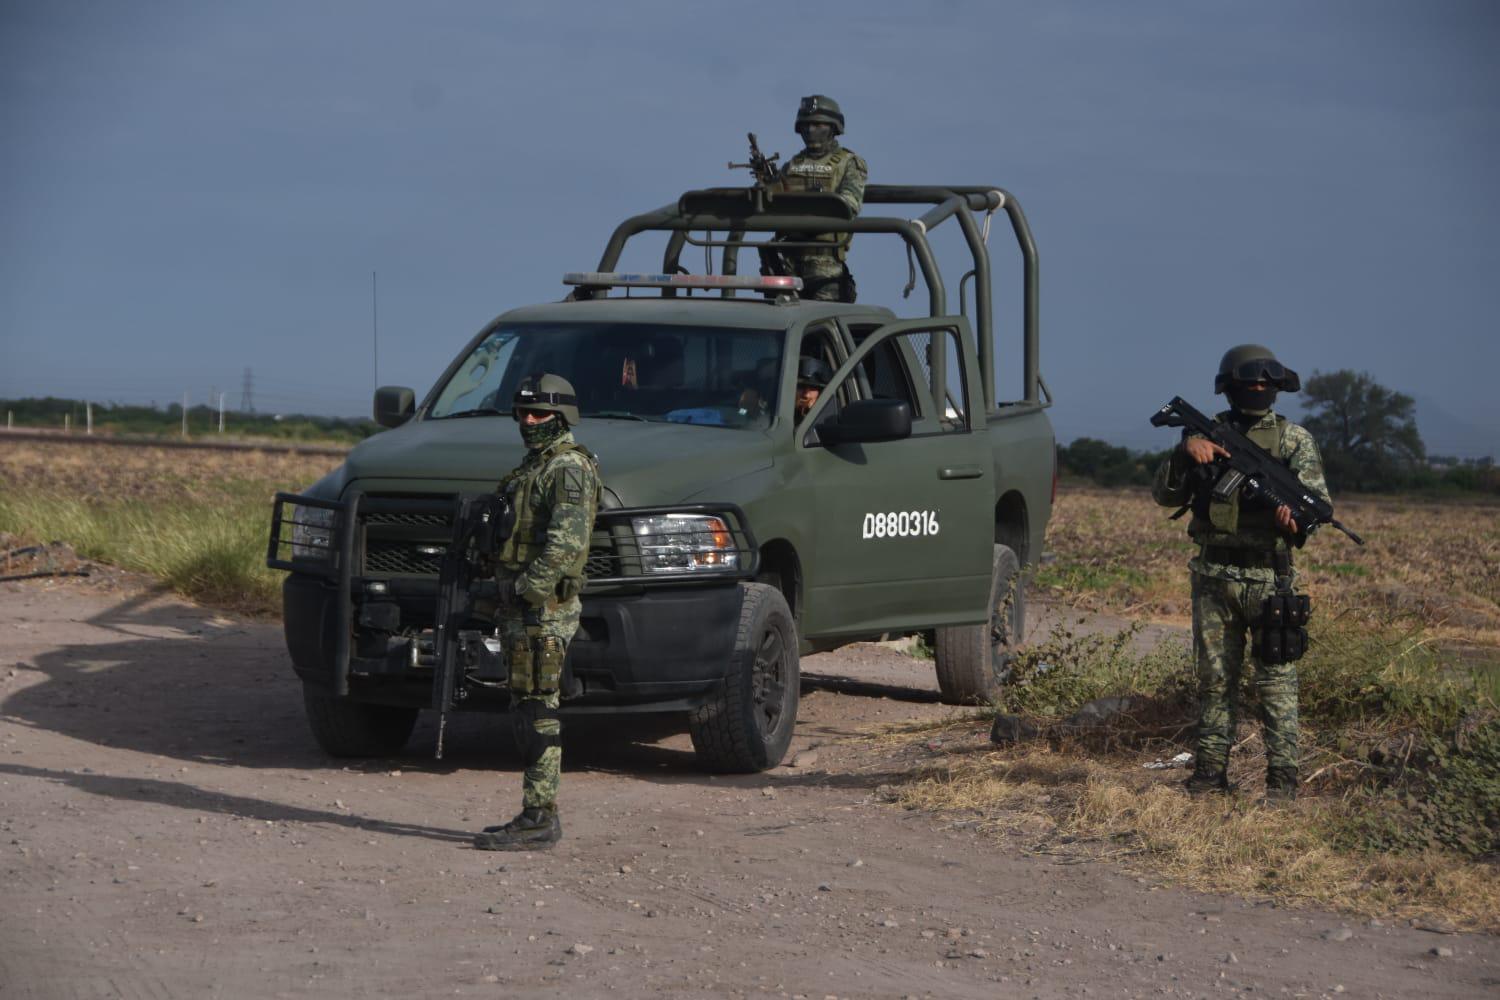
818 108
548 394
1254 363
813 372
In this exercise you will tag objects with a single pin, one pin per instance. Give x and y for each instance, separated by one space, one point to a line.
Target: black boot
531 829
1281 784
1207 778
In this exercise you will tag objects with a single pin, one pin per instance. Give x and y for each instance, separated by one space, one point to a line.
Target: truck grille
400 557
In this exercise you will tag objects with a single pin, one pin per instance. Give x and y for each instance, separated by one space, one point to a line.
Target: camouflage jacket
839 171
1254 529
557 490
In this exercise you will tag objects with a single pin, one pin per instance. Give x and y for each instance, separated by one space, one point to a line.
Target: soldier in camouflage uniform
555 492
824 165
1235 569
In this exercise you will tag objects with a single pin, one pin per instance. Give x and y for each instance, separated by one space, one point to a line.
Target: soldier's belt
1243 558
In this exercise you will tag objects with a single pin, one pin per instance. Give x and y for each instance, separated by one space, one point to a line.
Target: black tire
748 725
345 728
974 660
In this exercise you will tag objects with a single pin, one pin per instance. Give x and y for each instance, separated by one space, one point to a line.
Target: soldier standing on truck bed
555 493
1244 547
823 165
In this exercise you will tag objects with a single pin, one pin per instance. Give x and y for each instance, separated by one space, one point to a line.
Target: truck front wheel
974 660
748 725
345 728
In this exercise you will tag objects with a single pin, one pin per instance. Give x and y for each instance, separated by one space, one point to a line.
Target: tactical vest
1225 522
529 536
820 173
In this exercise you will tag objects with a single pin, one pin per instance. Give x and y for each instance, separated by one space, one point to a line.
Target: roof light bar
620 279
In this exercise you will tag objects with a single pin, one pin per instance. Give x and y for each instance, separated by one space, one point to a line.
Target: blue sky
191 189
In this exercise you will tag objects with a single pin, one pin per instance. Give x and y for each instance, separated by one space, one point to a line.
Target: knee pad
537 727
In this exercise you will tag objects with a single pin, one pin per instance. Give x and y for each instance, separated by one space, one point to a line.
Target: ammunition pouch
1282 637
518 657
1283 628
549 656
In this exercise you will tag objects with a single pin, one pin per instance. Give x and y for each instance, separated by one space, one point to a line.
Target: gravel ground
169 829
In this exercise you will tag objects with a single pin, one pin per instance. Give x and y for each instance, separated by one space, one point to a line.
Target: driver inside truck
812 379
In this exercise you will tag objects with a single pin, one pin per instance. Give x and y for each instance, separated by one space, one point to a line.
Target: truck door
904 527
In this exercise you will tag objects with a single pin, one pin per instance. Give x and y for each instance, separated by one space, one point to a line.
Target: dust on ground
170 829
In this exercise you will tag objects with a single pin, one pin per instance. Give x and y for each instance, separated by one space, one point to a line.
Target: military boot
532 829
1207 778
1281 784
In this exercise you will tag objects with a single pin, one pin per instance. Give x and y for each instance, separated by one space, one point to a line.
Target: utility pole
221 413
184 412
67 423
247 393
88 409
374 330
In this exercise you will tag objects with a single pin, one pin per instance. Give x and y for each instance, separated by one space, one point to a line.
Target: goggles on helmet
1258 370
527 398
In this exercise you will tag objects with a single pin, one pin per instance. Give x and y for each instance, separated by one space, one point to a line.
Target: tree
1366 432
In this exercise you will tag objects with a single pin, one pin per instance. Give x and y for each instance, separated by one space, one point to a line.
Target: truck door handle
960 472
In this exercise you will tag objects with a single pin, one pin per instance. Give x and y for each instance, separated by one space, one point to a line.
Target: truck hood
644 464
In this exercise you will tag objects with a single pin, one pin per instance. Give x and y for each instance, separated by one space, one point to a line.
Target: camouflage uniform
1232 577
556 492
842 172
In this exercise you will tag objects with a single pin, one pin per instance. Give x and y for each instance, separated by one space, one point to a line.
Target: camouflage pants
534 688
821 273
1223 612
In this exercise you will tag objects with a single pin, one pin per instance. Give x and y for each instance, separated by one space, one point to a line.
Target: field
1401 746
1435 563
195 519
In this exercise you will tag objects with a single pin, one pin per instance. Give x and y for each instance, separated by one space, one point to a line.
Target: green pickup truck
733 535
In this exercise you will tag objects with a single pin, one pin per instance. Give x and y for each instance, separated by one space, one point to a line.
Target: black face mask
818 136
1251 402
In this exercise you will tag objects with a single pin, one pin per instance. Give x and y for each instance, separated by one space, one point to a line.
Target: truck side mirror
867 420
394 405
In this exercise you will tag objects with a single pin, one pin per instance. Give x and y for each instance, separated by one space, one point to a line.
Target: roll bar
738 211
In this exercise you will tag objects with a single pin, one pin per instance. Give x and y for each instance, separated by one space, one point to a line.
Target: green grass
210 548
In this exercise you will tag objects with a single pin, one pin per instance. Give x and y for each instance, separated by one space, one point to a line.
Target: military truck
733 536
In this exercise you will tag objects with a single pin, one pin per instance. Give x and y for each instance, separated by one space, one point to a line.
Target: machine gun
1251 469
762 167
480 524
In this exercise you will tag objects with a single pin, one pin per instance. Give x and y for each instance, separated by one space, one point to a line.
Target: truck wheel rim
767 682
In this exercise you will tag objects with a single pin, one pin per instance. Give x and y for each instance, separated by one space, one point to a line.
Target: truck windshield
712 376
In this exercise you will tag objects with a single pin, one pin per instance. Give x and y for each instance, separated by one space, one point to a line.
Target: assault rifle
1252 470
479 525
761 166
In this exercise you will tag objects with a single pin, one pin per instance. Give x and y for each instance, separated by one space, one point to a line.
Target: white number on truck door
901 524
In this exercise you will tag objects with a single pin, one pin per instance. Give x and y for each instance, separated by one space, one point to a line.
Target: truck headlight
312 533
676 543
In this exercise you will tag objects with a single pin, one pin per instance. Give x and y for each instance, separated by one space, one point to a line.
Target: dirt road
171 830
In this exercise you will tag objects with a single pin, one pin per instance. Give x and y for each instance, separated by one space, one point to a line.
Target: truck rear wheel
748 725
345 728
974 660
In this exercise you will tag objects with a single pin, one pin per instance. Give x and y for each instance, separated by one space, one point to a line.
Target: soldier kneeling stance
1244 549
555 493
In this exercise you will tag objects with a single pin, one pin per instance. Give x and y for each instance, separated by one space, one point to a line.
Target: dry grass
197 520
106 473
1436 561
1107 807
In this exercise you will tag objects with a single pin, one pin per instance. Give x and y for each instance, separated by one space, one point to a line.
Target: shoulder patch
570 485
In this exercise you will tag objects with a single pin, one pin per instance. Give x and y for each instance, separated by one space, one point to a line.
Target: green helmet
548 394
1254 363
818 108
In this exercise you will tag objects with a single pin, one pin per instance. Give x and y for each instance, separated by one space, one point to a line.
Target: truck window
711 376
